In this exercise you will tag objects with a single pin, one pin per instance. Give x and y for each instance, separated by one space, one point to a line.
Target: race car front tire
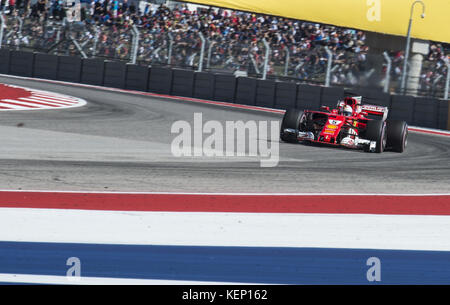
291 119
376 131
397 134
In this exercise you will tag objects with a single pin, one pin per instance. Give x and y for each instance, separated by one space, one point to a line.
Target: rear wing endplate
376 110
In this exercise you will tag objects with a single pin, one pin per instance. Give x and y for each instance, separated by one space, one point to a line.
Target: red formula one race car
351 125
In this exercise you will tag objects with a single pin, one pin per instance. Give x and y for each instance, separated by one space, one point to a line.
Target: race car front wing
309 136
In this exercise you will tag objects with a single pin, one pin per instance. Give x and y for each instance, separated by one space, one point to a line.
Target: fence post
387 80
447 82
254 63
155 53
202 52
169 60
329 64
286 65
208 62
266 59
135 46
94 47
2 27
58 35
435 82
20 24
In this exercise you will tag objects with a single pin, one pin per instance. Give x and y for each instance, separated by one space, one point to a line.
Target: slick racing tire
397 134
291 119
376 131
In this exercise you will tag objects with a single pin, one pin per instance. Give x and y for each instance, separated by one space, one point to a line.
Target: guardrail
417 111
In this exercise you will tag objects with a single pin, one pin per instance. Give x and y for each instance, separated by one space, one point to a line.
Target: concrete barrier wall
21 63
308 97
330 96
402 108
45 66
160 80
425 113
285 95
4 60
265 93
224 87
115 74
444 114
204 85
92 71
69 69
137 77
417 111
183 83
246 91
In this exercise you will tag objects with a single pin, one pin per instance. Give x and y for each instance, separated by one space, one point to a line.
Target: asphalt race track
122 142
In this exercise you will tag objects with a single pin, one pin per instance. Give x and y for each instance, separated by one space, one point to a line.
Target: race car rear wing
376 110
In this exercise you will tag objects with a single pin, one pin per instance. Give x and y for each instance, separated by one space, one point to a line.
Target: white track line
53 97
67 280
15 107
362 231
30 103
43 100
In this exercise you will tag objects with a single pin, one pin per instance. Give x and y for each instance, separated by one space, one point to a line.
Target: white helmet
348 110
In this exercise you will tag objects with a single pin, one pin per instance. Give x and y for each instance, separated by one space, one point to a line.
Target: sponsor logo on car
327 131
334 122
373 108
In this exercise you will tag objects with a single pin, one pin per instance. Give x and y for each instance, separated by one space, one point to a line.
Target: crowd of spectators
434 71
234 40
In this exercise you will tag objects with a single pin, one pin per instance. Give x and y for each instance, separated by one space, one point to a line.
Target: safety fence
417 111
315 63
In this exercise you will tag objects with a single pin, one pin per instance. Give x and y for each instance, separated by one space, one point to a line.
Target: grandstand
222 40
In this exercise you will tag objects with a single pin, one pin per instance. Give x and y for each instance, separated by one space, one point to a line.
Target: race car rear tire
376 131
291 120
397 134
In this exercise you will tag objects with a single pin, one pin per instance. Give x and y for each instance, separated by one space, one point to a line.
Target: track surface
121 142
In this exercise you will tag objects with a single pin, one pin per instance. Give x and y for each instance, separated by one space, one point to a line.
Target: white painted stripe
25 103
44 93
14 107
10 107
56 98
430 129
52 95
65 280
400 232
41 100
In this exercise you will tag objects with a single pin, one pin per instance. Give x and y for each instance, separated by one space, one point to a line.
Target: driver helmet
340 107
348 110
